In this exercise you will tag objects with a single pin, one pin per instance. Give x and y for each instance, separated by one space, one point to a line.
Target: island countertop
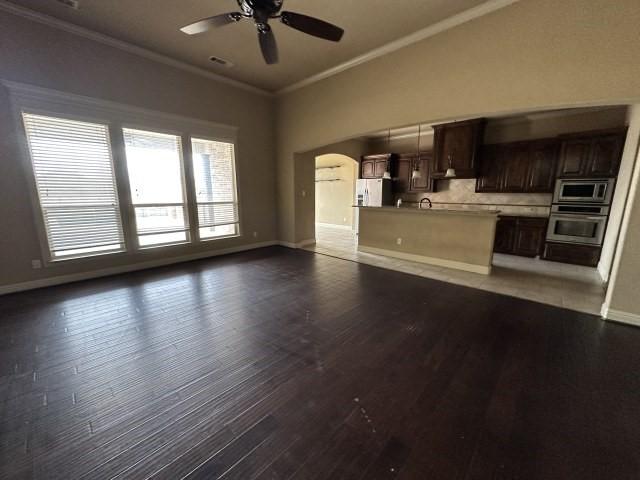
460 239
440 211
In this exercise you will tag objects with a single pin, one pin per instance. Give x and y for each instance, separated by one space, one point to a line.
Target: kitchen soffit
374 25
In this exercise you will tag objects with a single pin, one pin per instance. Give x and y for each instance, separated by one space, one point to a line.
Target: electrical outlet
304 193
36 264
399 241
255 234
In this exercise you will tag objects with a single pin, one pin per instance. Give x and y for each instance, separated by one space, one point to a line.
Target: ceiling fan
261 11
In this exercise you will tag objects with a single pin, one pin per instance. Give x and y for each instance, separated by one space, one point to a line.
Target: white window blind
76 186
215 183
154 163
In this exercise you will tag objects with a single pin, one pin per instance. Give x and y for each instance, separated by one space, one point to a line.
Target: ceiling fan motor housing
261 9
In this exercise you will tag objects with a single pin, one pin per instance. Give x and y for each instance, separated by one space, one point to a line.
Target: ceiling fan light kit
261 11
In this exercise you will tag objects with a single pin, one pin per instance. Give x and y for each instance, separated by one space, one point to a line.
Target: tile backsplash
460 193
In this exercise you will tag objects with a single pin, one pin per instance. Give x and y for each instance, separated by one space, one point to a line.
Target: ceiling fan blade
268 46
312 26
205 24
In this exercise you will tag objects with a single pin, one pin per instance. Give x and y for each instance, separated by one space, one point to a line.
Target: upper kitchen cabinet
456 145
541 173
490 177
424 183
374 166
518 167
402 173
515 168
591 154
403 179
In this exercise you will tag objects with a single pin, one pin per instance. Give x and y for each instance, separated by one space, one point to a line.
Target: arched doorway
335 179
335 182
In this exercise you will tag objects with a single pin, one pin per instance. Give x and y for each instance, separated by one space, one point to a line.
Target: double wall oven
580 211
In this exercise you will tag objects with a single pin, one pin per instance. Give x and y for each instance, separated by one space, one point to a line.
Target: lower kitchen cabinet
523 236
586 255
505 235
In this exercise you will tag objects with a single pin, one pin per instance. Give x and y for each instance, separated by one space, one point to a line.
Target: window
154 163
76 187
215 183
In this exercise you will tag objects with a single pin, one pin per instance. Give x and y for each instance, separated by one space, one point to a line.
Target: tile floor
568 286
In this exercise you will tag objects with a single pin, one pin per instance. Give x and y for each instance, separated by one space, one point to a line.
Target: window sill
222 237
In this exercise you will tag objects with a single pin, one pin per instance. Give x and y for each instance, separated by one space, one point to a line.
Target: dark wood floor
278 364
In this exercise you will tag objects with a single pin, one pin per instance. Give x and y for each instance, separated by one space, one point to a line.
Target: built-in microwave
584 191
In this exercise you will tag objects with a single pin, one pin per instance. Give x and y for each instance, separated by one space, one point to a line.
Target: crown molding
50 21
430 31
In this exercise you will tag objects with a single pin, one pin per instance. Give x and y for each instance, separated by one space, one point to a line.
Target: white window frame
236 194
43 234
42 101
185 187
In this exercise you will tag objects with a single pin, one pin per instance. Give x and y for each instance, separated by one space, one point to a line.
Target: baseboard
75 277
603 275
306 243
333 225
620 316
439 262
302 244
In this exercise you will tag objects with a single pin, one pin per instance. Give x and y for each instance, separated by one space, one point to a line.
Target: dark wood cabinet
367 169
518 167
515 168
586 255
523 236
402 175
530 235
505 235
591 154
574 157
543 157
425 182
374 166
457 145
490 177
403 181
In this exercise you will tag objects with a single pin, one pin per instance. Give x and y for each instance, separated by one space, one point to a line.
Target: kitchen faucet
425 198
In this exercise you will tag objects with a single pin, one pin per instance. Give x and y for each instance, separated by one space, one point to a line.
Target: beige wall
624 285
620 198
39 55
335 189
458 240
532 55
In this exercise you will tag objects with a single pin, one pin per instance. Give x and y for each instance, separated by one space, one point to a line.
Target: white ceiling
154 25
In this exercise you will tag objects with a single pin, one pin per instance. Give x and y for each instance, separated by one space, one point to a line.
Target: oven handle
576 216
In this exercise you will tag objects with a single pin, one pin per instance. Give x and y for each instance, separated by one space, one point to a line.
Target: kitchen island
458 239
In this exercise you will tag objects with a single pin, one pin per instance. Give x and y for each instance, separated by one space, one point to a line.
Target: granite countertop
436 211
